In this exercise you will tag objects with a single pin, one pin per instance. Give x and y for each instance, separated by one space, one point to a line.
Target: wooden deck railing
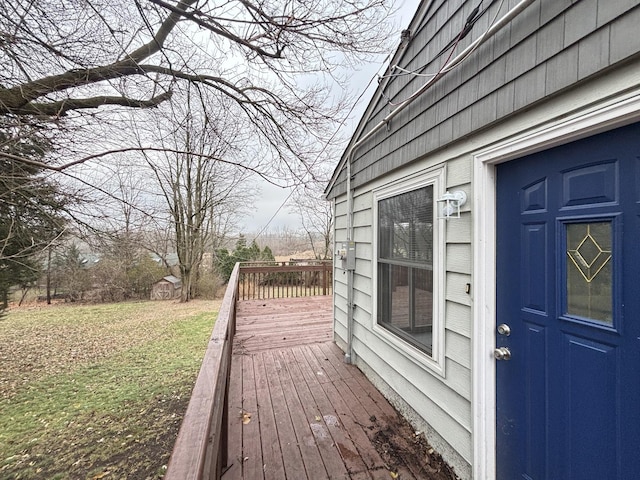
296 278
200 449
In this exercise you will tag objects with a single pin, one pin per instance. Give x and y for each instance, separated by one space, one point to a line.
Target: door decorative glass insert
590 271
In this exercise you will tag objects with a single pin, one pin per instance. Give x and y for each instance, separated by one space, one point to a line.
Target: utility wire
472 18
445 68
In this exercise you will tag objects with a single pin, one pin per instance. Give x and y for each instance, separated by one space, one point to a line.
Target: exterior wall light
451 203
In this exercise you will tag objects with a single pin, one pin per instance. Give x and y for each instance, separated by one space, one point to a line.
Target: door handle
502 353
504 329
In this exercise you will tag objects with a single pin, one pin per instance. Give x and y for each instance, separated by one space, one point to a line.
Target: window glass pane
398 296
590 270
401 243
405 226
422 290
405 272
423 240
405 304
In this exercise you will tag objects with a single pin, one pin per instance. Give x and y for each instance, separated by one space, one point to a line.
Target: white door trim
605 116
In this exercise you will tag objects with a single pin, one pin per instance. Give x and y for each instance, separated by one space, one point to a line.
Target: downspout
498 25
350 305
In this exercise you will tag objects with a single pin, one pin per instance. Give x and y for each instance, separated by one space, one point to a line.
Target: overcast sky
272 198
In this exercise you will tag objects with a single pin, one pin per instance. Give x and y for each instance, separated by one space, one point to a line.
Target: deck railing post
324 279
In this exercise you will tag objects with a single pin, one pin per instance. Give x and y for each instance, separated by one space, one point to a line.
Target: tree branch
66 166
61 107
220 31
19 100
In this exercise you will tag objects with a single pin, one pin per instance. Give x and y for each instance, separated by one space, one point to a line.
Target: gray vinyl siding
339 278
551 46
444 403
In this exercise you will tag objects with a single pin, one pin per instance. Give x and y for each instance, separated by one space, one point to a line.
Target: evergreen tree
31 207
225 261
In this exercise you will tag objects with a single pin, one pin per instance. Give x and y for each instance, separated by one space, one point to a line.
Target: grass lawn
97 392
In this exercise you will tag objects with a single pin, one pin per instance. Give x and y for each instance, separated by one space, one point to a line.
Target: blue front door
568 311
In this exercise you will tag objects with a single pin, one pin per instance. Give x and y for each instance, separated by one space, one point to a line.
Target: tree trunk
49 276
24 294
185 290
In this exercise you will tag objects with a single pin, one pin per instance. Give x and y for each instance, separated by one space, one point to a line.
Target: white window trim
608 115
435 361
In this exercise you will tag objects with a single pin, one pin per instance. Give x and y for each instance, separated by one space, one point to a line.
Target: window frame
435 360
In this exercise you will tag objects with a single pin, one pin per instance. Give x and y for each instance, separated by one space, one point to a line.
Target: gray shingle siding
549 48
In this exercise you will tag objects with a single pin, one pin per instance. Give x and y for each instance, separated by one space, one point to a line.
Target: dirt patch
138 452
404 450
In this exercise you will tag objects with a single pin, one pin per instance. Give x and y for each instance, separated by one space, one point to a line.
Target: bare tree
316 217
200 182
126 268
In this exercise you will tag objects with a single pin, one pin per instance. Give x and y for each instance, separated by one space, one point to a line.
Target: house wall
442 406
418 392
554 61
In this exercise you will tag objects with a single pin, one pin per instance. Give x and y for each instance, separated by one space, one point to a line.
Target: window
589 290
405 260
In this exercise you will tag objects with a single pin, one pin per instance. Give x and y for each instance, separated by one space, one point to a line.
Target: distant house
168 260
486 225
166 289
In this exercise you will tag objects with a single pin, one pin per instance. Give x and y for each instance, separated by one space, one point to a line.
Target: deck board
311 415
301 413
272 458
292 457
251 440
234 435
324 424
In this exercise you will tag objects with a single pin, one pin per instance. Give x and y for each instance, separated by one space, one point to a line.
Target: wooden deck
296 411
